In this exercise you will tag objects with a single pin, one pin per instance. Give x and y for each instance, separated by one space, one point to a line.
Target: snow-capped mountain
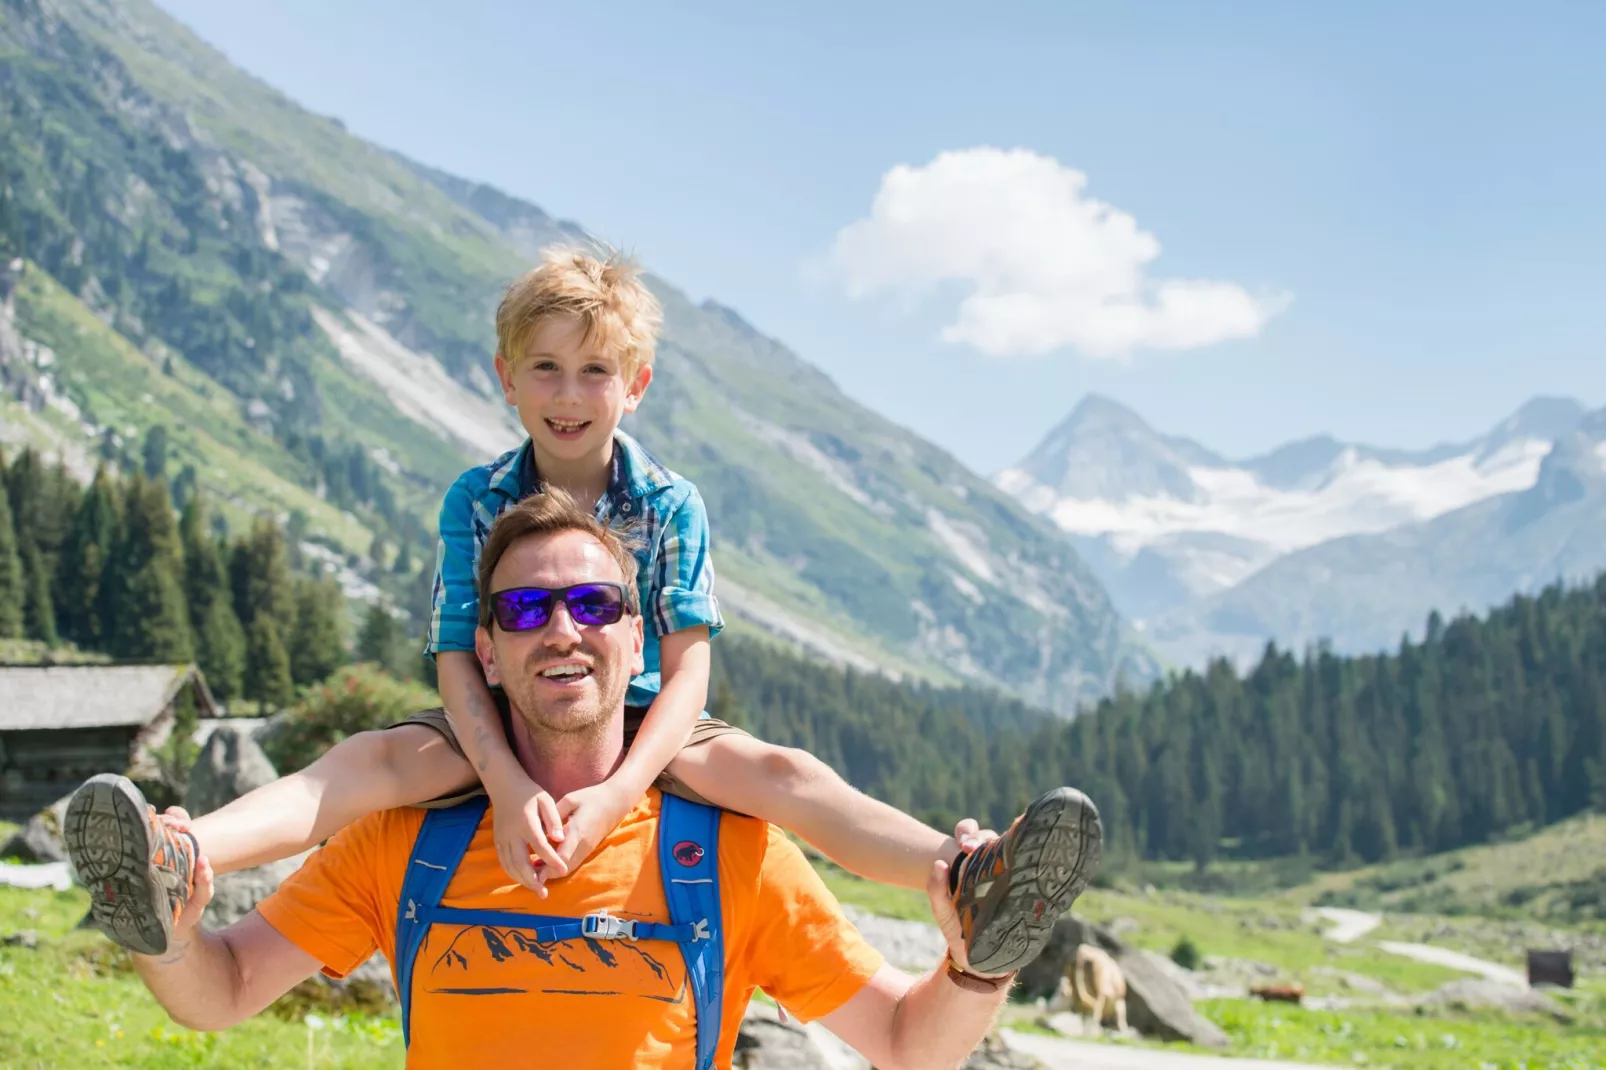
1175 530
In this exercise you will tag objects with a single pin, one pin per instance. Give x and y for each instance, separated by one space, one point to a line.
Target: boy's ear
487 655
637 387
504 372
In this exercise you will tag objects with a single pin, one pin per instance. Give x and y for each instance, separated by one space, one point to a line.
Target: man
496 975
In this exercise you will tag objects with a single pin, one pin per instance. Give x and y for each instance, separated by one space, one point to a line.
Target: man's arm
216 980
929 1023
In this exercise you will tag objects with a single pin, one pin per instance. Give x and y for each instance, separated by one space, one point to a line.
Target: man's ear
487 655
638 663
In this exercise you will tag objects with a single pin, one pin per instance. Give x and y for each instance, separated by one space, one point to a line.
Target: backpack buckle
604 926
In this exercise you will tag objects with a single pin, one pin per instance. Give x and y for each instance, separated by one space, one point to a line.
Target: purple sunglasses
524 609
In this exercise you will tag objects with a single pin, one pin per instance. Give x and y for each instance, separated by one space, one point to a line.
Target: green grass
1406 1040
75 1001
1262 931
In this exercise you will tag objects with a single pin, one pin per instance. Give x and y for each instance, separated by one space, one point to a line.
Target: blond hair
552 511
606 295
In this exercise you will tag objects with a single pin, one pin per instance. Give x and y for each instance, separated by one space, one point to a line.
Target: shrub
355 699
1186 954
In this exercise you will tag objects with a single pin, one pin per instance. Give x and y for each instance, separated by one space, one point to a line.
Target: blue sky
1413 196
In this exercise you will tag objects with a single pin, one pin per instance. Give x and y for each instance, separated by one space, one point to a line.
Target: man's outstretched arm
216 980
930 1023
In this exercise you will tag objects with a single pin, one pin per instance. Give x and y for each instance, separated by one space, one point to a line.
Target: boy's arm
525 817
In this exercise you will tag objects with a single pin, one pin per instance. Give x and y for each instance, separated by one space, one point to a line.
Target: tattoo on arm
175 952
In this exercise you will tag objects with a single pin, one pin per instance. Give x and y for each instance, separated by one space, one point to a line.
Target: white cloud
1046 266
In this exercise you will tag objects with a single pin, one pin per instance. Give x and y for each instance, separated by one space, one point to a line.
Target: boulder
40 839
995 1053
915 946
766 1042
231 764
1480 993
1156 1005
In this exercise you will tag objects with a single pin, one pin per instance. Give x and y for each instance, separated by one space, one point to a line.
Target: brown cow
1096 986
1279 993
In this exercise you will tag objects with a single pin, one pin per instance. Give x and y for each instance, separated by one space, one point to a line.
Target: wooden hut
61 724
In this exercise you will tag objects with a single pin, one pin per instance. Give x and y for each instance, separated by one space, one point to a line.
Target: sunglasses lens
523 610
594 603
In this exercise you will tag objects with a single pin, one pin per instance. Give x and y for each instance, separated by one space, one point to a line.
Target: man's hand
524 818
589 814
969 837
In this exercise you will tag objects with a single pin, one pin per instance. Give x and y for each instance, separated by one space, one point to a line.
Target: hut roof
93 696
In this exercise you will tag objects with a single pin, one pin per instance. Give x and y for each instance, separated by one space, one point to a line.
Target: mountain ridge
332 289
1285 544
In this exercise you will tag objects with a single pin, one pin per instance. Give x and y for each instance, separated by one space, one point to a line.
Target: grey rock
1155 1004
27 938
995 1053
766 1042
231 764
1478 992
40 839
909 945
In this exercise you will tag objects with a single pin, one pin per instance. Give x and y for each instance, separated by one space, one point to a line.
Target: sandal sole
107 834
1056 851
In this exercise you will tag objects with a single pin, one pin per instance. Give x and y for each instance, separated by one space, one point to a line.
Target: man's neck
565 762
585 478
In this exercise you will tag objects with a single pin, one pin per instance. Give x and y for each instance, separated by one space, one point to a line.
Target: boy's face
570 395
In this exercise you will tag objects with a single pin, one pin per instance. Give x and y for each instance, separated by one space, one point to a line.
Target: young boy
575 342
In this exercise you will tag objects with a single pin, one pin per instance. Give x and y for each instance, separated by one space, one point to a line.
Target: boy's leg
138 869
1008 893
795 790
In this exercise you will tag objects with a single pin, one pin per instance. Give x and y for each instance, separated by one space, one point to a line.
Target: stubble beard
573 720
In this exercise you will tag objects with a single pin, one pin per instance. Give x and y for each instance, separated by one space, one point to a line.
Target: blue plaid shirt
675 574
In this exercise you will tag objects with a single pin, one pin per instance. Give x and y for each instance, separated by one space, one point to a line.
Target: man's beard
587 713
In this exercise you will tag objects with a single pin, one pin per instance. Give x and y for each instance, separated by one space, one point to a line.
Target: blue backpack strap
437 852
688 855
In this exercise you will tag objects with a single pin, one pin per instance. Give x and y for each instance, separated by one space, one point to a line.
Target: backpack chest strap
548 929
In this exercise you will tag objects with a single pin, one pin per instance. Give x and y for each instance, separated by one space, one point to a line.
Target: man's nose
561 629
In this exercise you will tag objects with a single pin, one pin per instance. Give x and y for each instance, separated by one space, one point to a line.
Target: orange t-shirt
486 996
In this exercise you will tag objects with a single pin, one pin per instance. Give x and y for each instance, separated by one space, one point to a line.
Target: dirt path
1348 925
1455 960
1060 1054
1351 925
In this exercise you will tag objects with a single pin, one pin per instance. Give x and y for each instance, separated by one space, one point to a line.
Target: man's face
527 664
570 394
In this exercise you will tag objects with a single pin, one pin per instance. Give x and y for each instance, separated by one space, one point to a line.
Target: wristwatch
975 982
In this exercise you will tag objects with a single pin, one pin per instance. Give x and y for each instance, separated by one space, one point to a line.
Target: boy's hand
969 836
589 814
524 818
188 919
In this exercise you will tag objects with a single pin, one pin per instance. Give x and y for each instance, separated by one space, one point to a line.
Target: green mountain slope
325 295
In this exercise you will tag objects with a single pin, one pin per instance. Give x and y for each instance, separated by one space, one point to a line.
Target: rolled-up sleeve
454 593
684 571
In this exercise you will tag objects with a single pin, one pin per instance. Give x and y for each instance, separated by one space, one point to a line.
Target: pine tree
267 665
259 578
219 638
12 595
379 637
317 647
155 453
82 563
38 614
145 616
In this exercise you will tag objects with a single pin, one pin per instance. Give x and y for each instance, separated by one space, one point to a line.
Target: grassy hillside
1557 874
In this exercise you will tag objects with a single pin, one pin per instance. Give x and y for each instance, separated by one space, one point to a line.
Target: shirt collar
636 474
